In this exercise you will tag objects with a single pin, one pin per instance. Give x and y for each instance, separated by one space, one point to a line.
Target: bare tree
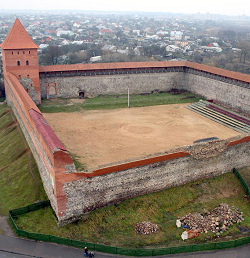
50 56
245 50
78 57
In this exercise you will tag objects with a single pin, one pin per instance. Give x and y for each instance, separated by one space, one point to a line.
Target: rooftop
48 134
18 38
153 64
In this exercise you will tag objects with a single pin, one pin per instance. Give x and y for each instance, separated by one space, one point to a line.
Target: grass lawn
114 225
18 186
245 173
115 101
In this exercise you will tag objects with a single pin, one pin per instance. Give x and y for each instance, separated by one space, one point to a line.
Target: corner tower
19 57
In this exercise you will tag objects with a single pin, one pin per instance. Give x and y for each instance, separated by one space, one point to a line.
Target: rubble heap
218 220
145 228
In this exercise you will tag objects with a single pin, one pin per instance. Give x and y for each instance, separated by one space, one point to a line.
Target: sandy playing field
104 136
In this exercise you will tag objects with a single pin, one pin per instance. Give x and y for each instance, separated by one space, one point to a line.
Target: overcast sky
229 7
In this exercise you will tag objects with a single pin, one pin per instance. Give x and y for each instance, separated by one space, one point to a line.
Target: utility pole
128 96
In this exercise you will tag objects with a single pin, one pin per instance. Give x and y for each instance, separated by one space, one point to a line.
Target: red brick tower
19 57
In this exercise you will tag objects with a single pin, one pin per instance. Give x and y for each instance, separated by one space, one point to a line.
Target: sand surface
105 136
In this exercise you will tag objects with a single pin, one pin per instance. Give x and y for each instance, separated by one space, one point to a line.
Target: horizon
214 7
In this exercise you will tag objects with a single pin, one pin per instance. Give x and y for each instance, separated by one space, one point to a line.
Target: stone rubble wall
69 87
205 160
30 89
226 94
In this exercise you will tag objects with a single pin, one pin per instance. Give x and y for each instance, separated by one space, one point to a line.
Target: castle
74 193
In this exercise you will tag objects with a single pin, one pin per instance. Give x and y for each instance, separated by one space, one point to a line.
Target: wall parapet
197 151
117 182
236 78
51 156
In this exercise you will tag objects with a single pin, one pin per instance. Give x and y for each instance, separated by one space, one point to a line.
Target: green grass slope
20 182
245 173
114 225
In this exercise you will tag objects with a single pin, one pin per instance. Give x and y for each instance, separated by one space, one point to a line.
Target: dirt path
104 136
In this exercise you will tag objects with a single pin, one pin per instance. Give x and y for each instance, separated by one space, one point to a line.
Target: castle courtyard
100 137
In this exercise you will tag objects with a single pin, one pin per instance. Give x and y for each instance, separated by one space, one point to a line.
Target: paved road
13 247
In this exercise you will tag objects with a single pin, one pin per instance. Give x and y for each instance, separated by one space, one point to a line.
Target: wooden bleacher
218 114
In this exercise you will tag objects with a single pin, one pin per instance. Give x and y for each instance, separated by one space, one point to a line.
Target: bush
2 90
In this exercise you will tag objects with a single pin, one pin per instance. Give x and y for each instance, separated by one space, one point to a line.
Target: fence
245 186
120 250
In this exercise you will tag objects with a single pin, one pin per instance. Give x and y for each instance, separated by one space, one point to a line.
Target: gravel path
5 227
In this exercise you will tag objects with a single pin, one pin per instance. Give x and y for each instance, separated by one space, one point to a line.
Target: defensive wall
230 89
112 184
51 157
75 193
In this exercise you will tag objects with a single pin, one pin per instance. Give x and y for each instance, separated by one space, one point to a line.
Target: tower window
27 62
23 52
18 63
29 52
18 52
12 53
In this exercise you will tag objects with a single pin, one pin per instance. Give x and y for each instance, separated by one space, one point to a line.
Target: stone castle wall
116 183
21 111
28 85
225 93
184 165
73 194
69 87
51 163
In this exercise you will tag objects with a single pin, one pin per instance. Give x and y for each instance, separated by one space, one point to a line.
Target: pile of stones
146 228
218 220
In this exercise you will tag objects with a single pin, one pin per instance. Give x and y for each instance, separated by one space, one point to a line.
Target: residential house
105 32
172 48
59 33
176 35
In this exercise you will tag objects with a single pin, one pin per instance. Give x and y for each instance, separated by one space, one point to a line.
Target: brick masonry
52 164
27 68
